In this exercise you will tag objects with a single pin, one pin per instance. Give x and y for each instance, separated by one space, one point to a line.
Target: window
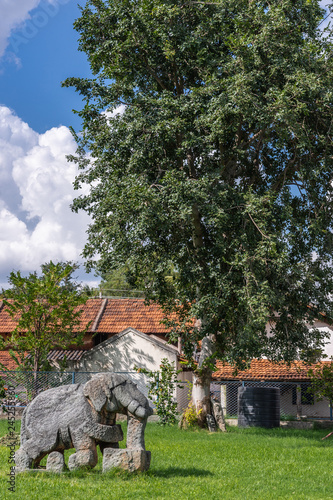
307 398
100 337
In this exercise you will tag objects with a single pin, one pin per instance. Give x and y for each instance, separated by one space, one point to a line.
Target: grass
241 464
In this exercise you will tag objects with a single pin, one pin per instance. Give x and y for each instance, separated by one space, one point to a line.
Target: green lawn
241 464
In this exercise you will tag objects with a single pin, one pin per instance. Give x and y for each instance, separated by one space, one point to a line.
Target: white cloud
36 223
120 110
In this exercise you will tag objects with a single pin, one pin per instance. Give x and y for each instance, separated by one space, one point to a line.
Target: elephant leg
22 460
34 450
136 432
37 447
56 462
106 433
83 459
86 453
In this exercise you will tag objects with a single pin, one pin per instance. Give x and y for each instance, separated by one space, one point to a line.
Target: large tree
219 166
47 313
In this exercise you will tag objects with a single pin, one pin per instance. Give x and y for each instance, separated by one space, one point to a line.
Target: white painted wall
132 348
126 350
321 326
320 409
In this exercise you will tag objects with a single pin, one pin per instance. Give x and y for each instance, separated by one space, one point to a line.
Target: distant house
124 333
293 382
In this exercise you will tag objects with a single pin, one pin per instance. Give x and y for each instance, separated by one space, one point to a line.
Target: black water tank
258 407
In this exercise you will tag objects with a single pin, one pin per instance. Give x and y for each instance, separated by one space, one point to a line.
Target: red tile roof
7 324
109 316
90 310
7 361
262 369
117 315
120 314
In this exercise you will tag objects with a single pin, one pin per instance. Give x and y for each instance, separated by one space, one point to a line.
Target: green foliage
219 167
116 283
47 314
190 416
163 384
68 269
2 390
322 381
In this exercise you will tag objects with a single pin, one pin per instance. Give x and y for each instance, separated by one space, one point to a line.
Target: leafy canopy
47 313
219 166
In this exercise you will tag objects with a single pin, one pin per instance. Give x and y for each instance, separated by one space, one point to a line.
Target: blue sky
38 50
39 55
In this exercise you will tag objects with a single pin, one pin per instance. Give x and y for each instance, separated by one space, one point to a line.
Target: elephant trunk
135 433
131 398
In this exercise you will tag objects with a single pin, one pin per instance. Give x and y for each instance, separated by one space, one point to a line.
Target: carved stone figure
82 416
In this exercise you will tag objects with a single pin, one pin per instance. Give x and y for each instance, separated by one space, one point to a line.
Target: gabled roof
115 338
264 370
90 311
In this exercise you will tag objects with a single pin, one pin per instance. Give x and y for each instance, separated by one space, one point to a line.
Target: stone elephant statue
82 416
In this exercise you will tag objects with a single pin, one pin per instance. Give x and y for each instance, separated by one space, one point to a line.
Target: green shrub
162 385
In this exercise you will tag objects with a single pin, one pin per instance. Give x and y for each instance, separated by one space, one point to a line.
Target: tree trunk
203 375
201 381
201 395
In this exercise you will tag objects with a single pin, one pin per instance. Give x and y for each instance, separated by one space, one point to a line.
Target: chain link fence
29 384
296 400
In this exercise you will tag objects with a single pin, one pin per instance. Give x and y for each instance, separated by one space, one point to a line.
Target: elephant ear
95 391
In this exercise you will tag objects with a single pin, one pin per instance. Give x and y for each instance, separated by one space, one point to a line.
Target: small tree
322 381
162 385
47 314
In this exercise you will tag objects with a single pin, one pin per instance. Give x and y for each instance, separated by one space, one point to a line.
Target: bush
162 385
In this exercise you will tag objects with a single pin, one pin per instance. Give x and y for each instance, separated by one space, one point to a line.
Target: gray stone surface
55 462
22 460
130 460
218 415
135 432
82 416
211 423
